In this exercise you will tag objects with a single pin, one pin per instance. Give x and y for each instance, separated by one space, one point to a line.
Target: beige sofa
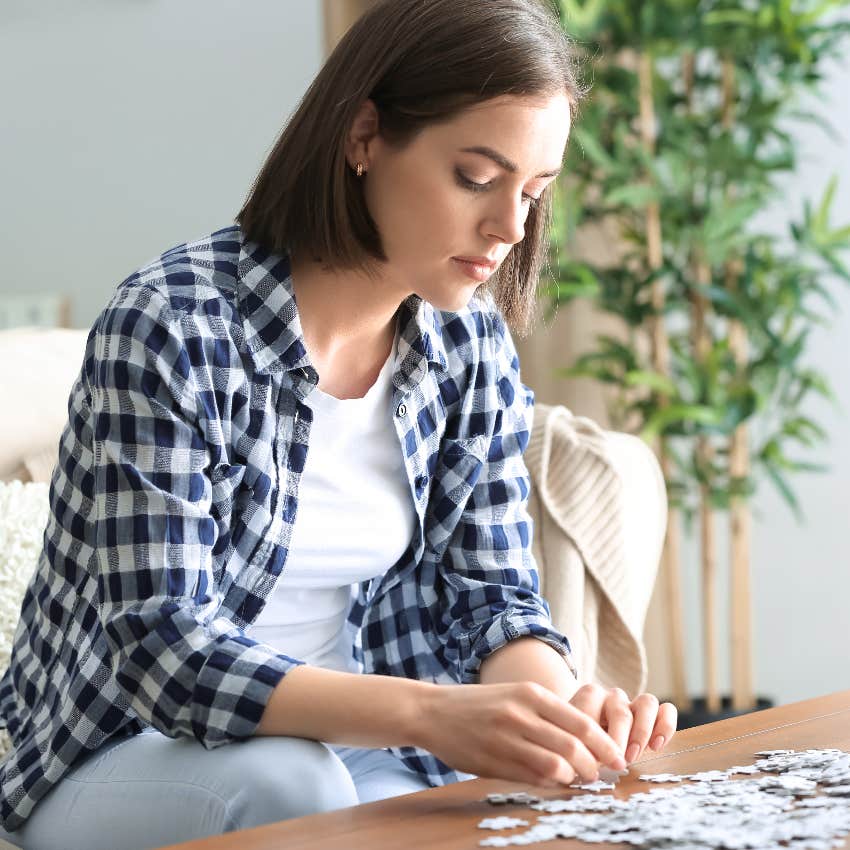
598 594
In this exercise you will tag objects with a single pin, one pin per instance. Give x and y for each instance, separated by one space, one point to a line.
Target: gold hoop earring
359 169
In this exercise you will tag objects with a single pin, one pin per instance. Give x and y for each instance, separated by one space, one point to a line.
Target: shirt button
401 409
420 483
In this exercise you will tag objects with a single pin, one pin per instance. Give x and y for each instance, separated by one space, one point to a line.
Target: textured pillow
23 517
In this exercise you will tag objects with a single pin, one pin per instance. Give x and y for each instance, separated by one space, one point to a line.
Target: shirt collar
273 327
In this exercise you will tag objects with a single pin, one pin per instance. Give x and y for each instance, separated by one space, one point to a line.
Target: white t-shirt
355 518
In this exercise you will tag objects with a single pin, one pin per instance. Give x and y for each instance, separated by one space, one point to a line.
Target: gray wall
128 126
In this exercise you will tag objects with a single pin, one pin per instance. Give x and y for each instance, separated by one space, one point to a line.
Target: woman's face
462 190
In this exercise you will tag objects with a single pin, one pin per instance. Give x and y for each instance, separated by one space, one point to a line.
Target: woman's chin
453 302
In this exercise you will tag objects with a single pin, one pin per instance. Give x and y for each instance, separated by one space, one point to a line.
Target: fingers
590 699
566 748
645 711
617 717
551 768
533 765
582 726
631 726
665 726
521 732
524 732
609 707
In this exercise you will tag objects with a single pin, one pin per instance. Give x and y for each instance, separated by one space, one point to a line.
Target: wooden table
447 818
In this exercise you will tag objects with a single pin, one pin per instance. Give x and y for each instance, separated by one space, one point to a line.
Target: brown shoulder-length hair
421 62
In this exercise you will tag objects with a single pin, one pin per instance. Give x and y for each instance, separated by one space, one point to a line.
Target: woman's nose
507 221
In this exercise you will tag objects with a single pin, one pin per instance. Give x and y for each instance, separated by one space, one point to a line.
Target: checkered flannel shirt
173 502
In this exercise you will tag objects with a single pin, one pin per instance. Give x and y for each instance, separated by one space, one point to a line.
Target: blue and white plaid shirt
173 502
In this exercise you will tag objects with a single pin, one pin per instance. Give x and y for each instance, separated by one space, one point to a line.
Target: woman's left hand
633 724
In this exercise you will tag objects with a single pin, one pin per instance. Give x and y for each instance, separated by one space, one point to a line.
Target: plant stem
704 453
740 604
671 559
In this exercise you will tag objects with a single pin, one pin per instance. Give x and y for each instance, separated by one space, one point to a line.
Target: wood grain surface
447 817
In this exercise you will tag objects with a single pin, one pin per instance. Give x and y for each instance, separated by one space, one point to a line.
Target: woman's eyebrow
502 160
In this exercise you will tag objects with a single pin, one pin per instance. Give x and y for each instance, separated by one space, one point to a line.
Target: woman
294 456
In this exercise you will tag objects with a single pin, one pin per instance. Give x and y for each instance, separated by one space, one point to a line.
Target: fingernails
658 743
633 751
618 763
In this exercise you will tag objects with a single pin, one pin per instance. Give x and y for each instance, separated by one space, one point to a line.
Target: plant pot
698 715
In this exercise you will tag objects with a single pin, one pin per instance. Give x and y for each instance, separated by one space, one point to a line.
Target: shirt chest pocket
457 470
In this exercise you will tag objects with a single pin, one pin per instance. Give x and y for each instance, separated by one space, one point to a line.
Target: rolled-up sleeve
184 670
488 576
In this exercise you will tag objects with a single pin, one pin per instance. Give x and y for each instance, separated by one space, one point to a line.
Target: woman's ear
363 131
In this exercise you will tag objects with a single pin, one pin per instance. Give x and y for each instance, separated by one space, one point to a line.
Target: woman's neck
348 321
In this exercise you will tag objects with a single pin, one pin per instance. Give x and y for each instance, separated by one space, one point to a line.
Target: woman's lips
477 271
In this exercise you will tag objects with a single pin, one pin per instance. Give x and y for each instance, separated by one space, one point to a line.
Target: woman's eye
466 183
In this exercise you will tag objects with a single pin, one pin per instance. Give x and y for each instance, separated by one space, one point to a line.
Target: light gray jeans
150 790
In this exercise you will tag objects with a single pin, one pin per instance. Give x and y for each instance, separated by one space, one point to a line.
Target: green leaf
679 414
728 219
590 146
653 380
765 16
728 16
803 466
598 373
732 303
635 195
784 490
581 18
838 267
839 236
819 383
809 117
804 430
613 347
819 11
565 291
820 222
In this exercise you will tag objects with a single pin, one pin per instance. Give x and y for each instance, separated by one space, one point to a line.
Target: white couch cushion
23 517
39 368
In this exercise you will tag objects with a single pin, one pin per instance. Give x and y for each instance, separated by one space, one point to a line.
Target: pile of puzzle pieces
802 802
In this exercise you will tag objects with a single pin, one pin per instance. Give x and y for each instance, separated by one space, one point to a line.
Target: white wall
129 126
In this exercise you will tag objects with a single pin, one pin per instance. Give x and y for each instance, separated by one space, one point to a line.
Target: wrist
421 712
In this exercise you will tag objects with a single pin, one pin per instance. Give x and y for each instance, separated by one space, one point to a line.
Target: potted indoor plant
681 142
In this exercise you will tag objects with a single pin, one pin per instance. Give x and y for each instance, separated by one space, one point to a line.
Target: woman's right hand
516 731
